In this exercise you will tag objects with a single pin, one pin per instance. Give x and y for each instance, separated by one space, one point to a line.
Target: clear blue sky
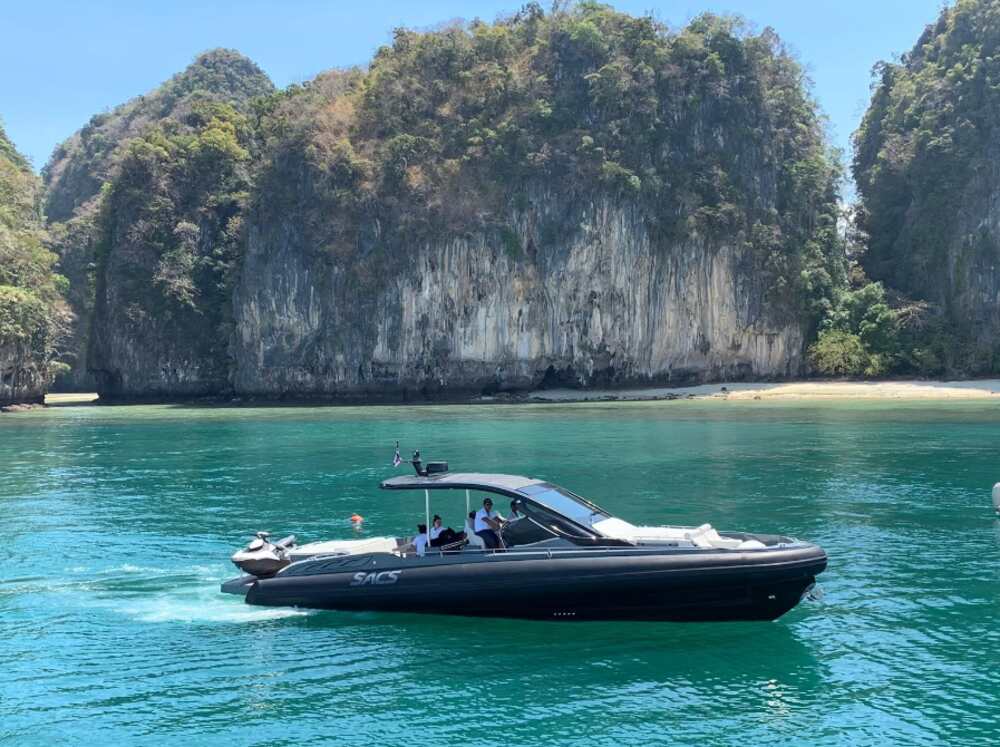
63 61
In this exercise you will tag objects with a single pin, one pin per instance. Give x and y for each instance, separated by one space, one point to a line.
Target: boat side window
561 501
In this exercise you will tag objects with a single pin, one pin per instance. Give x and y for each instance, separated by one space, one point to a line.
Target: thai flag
396 458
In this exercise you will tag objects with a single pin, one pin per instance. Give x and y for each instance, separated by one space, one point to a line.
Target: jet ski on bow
565 559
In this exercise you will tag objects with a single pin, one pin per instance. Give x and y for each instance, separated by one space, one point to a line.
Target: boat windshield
565 503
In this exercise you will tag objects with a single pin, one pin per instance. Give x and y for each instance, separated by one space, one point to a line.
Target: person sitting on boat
441 536
419 541
488 524
436 528
515 514
475 541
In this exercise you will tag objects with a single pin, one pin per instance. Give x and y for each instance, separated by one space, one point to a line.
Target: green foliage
81 165
32 314
215 75
511 242
173 214
22 314
192 112
860 332
839 353
866 312
708 132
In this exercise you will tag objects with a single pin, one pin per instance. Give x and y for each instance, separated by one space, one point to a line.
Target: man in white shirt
436 527
487 525
419 542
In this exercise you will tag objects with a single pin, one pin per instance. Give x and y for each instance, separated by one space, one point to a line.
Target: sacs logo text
382 578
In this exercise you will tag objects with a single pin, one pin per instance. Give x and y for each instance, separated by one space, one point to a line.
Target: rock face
968 286
604 308
23 377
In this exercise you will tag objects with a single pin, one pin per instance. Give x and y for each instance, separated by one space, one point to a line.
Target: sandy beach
798 390
70 398
726 390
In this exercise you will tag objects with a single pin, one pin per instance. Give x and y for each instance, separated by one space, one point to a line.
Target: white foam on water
132 568
192 596
202 572
201 607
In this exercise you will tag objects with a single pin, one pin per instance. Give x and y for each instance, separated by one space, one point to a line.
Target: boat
564 558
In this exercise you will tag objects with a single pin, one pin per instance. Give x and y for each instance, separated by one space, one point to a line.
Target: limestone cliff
577 198
925 161
602 308
91 158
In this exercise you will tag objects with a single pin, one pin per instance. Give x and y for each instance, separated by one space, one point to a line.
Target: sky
62 62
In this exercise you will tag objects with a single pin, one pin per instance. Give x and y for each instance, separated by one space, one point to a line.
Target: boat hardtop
571 507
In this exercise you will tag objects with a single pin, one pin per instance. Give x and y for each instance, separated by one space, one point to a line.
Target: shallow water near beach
118 524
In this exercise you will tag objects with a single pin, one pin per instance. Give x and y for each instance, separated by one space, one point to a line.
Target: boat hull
619 584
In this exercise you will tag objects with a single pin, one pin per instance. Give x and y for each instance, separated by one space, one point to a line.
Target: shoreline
789 391
818 390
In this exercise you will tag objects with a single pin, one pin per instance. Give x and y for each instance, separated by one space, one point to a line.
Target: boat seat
344 547
706 536
475 541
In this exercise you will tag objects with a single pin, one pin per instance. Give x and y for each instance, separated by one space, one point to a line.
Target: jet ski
564 559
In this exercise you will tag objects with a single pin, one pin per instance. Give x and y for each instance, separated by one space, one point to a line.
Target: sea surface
118 523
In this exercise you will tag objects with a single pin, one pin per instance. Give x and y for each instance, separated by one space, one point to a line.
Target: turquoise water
118 523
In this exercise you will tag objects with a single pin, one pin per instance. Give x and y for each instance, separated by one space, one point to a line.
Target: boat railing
434 553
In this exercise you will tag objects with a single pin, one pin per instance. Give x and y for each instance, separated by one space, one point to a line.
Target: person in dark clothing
441 536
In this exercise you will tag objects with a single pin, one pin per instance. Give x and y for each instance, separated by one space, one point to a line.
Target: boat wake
202 605
158 594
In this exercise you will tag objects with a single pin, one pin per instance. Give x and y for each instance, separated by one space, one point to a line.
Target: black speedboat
565 559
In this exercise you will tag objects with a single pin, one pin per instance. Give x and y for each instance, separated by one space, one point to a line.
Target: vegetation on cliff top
32 312
81 165
708 132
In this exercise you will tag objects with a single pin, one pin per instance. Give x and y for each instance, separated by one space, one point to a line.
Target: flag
396 458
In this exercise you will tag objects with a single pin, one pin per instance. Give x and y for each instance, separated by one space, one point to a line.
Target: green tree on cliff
32 312
76 175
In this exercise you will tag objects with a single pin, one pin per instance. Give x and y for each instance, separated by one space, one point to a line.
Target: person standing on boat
487 525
